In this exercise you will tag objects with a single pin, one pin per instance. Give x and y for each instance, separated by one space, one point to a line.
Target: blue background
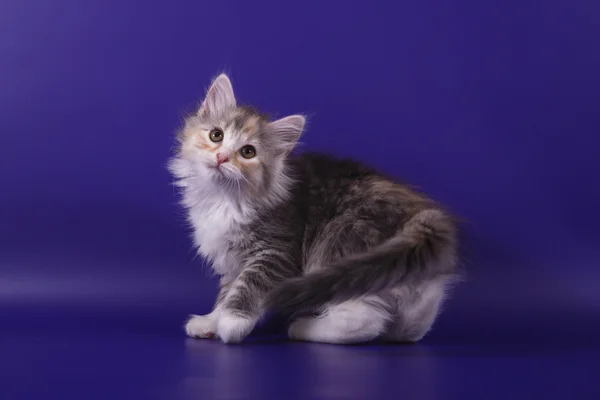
489 106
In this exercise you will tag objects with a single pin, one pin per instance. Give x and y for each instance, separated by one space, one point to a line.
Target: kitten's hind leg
353 321
416 313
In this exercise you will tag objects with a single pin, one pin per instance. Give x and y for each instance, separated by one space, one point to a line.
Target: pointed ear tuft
287 131
219 97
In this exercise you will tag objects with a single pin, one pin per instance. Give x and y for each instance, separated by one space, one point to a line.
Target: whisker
249 183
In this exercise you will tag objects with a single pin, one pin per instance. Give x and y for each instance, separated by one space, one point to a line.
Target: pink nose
221 159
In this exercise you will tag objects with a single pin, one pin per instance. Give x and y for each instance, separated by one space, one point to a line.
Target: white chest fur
217 225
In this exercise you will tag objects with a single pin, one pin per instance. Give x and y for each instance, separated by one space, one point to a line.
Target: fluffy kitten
351 253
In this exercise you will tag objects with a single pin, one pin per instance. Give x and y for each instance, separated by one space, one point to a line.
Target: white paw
201 326
233 329
298 329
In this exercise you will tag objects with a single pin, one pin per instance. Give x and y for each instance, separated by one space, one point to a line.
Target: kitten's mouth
218 171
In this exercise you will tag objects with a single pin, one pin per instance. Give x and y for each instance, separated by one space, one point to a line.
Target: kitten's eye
216 135
248 151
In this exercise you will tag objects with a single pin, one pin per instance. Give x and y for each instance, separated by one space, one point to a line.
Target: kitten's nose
221 158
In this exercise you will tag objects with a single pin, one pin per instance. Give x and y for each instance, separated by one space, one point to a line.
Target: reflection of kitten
363 256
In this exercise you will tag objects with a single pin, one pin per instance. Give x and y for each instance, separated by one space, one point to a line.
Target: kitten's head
236 148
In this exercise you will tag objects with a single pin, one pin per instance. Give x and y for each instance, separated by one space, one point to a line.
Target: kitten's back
364 233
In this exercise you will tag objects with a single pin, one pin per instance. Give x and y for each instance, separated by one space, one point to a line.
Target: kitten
357 255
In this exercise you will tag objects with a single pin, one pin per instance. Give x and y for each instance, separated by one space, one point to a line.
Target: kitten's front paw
232 328
201 326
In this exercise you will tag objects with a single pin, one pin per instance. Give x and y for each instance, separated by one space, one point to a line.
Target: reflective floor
95 349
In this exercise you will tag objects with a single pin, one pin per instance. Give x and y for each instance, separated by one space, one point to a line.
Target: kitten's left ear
219 97
286 131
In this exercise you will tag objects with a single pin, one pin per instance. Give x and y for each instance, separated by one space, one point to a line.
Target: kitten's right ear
286 131
219 97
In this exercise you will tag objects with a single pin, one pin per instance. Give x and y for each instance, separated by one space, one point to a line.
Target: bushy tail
425 247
